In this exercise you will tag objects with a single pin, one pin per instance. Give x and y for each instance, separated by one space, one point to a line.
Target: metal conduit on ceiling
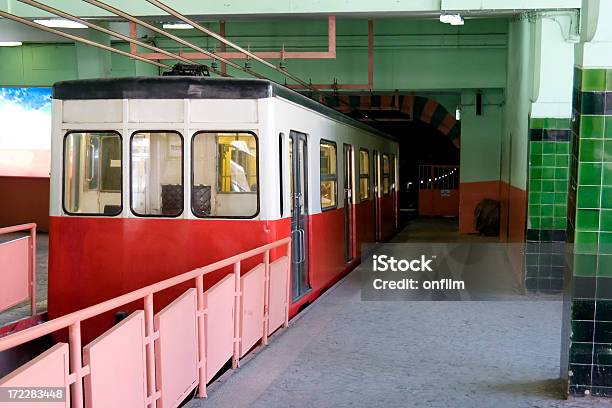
179 40
79 39
104 30
135 42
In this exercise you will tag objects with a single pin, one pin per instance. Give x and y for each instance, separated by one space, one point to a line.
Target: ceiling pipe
131 18
153 28
366 87
223 40
179 40
80 39
222 32
235 46
133 42
370 54
282 55
134 50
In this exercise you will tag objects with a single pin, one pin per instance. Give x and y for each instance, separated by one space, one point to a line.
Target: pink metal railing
77 371
18 268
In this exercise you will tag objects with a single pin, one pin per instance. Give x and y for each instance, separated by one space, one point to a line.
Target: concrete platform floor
42 257
422 230
344 352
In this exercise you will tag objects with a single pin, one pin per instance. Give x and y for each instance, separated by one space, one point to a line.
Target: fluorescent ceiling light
60 23
177 26
452 19
10 43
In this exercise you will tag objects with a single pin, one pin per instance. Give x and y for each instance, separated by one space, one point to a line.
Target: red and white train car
152 177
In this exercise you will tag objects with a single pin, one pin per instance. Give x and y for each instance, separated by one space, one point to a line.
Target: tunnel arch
419 108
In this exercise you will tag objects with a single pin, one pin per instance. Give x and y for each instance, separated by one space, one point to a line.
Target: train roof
188 87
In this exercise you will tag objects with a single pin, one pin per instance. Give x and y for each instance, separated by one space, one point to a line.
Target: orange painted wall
513 214
513 224
433 204
23 200
470 194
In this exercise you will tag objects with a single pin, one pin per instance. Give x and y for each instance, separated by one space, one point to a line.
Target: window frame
335 178
182 172
281 150
192 171
392 171
66 212
364 175
385 175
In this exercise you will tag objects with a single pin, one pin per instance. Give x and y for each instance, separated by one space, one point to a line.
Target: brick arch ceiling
417 107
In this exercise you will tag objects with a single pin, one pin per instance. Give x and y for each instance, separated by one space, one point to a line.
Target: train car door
349 238
376 195
298 159
394 191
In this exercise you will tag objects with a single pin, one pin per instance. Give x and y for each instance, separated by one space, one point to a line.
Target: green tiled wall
549 153
589 334
548 182
591 181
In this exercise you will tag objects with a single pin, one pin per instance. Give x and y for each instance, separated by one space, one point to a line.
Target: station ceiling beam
248 9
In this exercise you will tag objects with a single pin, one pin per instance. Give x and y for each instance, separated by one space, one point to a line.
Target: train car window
225 181
329 175
157 173
92 173
385 174
364 174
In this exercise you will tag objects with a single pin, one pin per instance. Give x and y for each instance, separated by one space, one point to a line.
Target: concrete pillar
587 336
549 148
480 137
93 62
513 174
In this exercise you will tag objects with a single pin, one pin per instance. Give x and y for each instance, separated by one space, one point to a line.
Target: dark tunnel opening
420 144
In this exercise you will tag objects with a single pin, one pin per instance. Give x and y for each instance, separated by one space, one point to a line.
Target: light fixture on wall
177 26
458 113
452 19
60 23
10 43
479 103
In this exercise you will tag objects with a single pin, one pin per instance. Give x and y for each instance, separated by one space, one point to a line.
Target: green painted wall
122 66
449 100
554 66
44 64
37 64
408 54
93 62
481 136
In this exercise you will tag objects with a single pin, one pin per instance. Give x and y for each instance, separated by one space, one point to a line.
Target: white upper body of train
191 147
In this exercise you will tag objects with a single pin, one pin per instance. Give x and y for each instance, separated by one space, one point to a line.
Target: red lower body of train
95 259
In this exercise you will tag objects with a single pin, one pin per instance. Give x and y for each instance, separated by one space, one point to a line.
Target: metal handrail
108 305
72 321
32 255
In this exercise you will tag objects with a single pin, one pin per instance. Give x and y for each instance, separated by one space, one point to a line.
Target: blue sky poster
25 131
